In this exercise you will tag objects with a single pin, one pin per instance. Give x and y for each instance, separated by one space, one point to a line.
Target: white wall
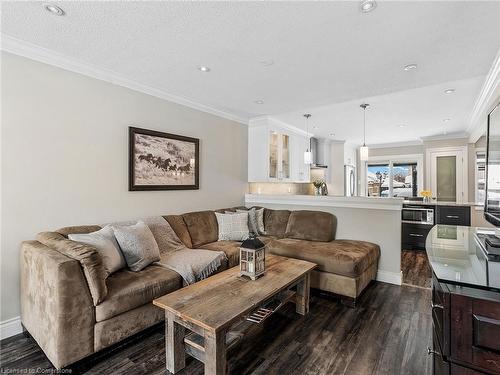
378 225
65 154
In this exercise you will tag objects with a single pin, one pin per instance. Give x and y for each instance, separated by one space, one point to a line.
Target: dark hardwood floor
387 333
416 269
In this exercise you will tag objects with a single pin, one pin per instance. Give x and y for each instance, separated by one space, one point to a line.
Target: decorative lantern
252 258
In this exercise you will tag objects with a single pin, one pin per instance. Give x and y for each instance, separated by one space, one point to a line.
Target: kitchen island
372 219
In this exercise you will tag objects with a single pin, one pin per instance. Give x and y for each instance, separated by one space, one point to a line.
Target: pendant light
363 150
307 153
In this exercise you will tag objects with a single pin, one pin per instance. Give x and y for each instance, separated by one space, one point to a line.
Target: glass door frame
390 160
460 152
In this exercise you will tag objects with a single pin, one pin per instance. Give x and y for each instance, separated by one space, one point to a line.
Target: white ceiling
397 117
323 52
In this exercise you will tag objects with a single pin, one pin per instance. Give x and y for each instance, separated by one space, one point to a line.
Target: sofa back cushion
180 228
275 222
89 259
202 227
311 226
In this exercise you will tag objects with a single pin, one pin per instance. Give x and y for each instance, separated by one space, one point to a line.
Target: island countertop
376 203
441 203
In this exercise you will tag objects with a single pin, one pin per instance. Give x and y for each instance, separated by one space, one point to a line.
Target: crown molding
50 57
268 120
439 137
484 100
396 144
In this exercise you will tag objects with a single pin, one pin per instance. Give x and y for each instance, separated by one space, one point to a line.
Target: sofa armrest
56 306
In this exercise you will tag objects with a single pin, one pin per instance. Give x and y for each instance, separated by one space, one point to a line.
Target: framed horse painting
162 161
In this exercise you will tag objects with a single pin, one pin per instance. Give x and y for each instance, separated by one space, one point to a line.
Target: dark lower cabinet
466 330
453 215
413 236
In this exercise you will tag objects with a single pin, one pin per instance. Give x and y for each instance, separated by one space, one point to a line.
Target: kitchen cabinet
413 236
276 152
453 215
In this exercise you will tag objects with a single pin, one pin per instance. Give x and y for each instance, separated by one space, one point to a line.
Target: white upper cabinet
275 152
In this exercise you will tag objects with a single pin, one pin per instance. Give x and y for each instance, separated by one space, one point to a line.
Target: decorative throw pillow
105 243
233 227
255 220
138 245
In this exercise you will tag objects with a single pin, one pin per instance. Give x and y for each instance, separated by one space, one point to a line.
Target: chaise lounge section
73 311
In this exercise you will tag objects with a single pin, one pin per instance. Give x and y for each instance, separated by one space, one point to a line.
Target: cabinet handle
431 351
416 235
452 216
437 306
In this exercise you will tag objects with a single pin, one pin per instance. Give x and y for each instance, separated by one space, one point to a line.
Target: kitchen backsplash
280 188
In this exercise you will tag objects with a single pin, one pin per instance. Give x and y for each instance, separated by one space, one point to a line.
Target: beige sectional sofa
73 311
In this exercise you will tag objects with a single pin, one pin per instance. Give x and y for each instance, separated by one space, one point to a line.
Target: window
399 177
480 168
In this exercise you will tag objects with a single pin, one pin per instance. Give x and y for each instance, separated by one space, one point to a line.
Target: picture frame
163 161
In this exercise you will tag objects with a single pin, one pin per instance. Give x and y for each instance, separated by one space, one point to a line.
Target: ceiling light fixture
267 62
204 69
447 119
449 91
402 126
54 9
410 67
259 102
332 134
307 152
315 127
363 150
368 5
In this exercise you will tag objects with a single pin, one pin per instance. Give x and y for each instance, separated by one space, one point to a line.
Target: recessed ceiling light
410 67
368 5
401 126
315 127
54 9
449 91
204 69
259 102
447 119
267 62
332 134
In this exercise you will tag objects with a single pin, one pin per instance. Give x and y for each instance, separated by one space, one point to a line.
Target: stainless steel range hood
319 149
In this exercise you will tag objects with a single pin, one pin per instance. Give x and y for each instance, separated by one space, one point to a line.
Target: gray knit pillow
138 245
255 220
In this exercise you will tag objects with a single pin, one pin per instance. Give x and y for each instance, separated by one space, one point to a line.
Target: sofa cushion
78 229
128 290
343 257
202 227
231 248
275 222
180 228
311 225
89 258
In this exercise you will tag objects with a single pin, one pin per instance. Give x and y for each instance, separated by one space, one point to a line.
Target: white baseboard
10 327
389 277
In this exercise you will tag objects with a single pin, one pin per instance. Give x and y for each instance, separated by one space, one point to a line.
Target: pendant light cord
364 126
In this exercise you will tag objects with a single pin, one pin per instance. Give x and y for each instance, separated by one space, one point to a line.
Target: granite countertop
441 203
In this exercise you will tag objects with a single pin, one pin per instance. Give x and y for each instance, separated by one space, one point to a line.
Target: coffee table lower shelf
195 343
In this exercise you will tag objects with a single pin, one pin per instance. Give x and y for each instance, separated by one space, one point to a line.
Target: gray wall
65 154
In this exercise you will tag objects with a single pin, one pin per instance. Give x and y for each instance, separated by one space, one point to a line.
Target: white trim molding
374 203
389 277
484 102
50 57
10 327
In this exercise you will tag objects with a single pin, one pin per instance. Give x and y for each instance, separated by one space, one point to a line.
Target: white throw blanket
192 264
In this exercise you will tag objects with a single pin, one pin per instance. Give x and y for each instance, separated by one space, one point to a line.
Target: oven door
417 216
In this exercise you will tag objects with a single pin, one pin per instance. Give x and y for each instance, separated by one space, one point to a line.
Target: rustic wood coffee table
217 311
